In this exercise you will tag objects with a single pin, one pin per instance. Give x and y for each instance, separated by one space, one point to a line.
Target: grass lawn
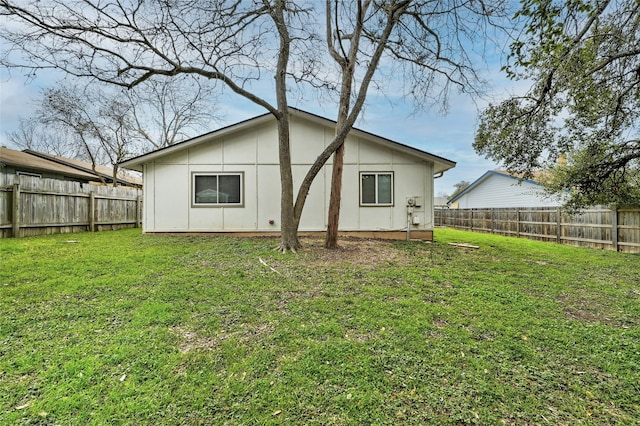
124 328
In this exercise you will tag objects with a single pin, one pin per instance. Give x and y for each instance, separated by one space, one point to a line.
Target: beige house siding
253 151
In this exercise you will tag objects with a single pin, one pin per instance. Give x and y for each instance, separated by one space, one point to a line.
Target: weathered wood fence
617 229
35 206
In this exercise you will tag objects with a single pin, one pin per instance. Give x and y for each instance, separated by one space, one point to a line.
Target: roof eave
444 163
441 164
472 185
136 163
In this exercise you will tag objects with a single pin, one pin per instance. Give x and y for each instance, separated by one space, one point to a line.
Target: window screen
376 189
217 189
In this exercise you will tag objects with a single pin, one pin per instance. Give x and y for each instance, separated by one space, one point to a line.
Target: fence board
602 228
48 206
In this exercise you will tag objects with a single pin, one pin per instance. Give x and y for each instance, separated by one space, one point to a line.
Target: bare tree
99 124
428 44
127 43
347 58
33 134
166 111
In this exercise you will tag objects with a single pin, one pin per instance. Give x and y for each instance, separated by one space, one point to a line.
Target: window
376 189
218 189
29 174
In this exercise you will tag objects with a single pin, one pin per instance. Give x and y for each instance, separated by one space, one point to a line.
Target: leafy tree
583 57
459 187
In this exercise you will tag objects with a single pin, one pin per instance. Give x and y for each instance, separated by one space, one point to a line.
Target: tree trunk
347 65
333 220
288 223
347 113
335 198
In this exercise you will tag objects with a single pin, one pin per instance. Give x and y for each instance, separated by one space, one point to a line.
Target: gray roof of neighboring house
34 161
105 172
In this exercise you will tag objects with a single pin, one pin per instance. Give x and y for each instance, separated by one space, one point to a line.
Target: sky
447 135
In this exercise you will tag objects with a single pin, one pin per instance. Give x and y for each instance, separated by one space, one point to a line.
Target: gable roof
441 164
485 176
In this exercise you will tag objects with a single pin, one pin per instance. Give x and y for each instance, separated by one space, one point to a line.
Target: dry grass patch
189 340
358 252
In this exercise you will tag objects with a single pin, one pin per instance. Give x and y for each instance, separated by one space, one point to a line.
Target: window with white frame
217 189
376 188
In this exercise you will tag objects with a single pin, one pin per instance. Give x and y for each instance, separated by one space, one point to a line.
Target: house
43 165
500 189
229 181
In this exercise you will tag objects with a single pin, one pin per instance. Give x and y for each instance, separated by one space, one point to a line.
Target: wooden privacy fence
35 206
617 229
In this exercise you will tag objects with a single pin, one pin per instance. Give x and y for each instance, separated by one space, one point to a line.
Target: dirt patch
190 340
588 310
584 315
194 341
353 251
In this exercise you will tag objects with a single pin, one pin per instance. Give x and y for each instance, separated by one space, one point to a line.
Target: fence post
15 219
492 219
138 212
558 226
517 222
614 226
92 212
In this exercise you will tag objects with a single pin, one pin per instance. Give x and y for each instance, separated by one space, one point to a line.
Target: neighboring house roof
27 162
38 162
500 173
441 164
105 172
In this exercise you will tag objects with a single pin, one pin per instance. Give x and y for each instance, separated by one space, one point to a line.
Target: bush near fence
609 229
35 206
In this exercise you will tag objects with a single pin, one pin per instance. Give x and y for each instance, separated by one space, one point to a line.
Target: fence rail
617 229
35 206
